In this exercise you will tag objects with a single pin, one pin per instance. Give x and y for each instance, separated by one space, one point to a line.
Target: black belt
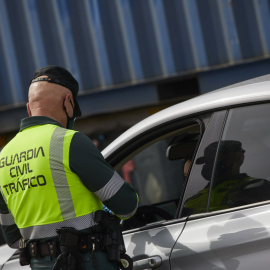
42 249
51 248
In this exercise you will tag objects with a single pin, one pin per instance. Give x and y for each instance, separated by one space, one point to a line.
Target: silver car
202 170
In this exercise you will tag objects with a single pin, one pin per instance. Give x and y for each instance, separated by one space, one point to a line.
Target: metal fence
111 43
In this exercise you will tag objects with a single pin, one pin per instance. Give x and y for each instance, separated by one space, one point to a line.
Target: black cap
62 77
226 147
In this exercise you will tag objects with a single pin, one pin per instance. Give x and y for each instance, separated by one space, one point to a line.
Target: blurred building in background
131 57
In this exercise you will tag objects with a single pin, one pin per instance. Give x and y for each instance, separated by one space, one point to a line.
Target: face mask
70 121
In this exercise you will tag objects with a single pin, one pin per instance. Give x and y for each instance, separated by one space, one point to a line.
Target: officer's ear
28 109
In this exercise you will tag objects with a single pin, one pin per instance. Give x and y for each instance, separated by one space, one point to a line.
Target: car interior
157 174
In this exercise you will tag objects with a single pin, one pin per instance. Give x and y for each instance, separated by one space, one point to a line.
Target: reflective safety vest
40 190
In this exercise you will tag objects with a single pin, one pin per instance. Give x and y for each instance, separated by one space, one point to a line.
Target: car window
197 192
157 170
242 170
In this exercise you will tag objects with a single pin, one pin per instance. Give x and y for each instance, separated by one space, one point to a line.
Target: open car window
158 170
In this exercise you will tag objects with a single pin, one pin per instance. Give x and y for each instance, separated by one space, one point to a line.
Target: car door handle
149 263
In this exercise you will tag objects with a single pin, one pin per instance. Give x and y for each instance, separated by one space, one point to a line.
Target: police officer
52 177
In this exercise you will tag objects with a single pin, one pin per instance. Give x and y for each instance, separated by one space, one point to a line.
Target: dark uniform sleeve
98 176
9 229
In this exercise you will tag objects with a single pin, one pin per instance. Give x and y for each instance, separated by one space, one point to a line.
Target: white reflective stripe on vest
59 175
49 230
6 219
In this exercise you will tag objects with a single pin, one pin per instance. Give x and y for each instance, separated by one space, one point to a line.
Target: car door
228 216
153 163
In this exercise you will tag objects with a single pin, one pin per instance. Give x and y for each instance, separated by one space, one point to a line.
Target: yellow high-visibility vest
37 182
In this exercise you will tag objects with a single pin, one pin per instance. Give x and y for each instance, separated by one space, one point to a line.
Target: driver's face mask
70 120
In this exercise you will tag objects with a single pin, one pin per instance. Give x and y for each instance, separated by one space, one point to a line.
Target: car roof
254 90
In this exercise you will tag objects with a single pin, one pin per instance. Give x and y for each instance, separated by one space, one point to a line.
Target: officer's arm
99 177
10 230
